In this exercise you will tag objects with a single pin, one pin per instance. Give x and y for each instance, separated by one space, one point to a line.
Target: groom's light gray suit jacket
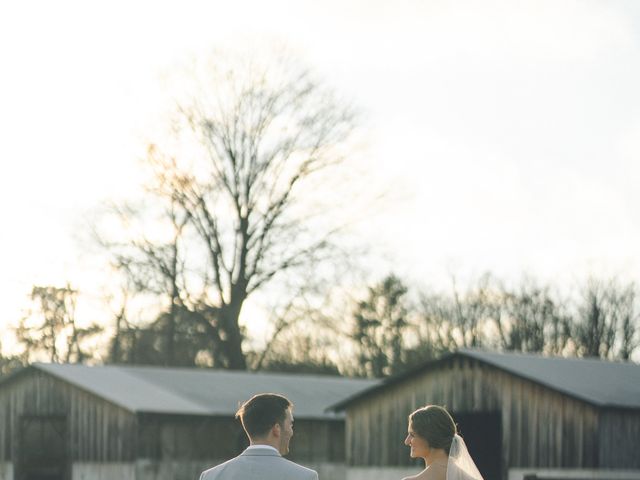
259 463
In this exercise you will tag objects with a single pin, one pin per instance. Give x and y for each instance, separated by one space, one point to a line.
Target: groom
268 421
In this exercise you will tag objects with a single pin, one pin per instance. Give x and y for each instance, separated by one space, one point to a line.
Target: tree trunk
229 318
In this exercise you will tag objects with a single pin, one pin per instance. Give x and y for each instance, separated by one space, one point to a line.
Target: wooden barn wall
100 432
185 437
96 430
318 441
539 427
165 437
619 439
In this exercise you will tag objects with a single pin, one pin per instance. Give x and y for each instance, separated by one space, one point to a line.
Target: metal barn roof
598 382
204 391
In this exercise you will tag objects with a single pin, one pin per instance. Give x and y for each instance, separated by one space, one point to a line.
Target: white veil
460 465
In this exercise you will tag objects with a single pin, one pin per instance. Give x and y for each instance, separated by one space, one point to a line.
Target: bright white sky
510 130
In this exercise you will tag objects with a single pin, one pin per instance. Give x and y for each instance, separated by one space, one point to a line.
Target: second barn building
522 416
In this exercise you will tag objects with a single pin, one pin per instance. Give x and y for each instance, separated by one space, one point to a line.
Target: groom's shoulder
285 467
213 472
303 472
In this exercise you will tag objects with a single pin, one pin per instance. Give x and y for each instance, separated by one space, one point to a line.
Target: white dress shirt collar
251 447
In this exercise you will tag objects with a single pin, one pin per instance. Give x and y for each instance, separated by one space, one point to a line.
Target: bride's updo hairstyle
435 425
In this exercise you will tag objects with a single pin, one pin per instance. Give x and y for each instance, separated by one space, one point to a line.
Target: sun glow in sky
508 133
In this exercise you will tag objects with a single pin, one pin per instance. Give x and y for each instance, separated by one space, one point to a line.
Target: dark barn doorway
482 432
42 450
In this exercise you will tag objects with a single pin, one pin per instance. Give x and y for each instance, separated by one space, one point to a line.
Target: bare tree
436 326
459 320
285 316
630 321
304 345
51 328
532 320
119 342
472 311
250 148
152 266
607 321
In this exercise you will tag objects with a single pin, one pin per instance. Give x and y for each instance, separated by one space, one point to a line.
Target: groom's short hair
261 412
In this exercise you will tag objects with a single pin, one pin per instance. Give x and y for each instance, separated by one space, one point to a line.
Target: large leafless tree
252 144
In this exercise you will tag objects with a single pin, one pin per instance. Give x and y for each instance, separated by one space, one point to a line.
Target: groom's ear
276 430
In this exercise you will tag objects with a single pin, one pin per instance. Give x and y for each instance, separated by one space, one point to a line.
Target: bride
432 436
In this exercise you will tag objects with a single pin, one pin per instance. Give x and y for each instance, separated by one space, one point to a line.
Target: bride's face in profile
419 446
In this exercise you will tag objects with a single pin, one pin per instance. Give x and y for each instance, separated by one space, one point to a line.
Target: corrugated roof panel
604 383
205 391
223 391
118 386
598 382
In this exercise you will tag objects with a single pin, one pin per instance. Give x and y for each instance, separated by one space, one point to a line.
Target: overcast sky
508 131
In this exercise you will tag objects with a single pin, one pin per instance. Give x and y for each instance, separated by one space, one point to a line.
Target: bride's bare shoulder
418 476
429 474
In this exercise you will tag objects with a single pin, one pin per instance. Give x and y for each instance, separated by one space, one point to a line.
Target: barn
522 416
74 422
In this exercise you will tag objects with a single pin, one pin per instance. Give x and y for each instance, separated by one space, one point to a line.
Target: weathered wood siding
166 437
619 439
186 437
318 441
539 427
97 431
102 439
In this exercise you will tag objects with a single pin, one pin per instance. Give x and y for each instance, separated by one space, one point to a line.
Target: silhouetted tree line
393 333
388 330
